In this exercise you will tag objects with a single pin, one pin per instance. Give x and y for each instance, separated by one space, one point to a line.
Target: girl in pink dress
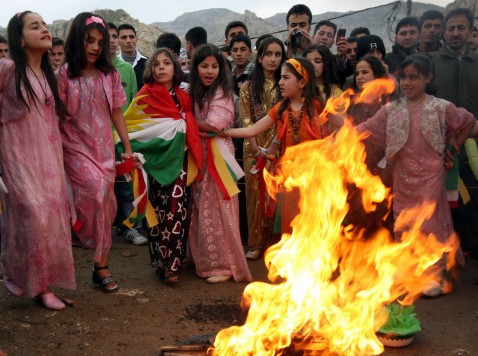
215 241
36 240
92 91
413 130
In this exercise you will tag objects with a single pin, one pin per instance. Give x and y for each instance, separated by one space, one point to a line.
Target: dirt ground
147 314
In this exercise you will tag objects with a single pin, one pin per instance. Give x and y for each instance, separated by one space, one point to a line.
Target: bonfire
329 283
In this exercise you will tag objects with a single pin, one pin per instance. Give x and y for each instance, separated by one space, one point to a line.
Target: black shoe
104 282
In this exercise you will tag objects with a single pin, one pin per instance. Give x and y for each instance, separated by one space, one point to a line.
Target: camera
296 38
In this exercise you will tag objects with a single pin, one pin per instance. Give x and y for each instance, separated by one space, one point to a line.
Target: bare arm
120 126
251 131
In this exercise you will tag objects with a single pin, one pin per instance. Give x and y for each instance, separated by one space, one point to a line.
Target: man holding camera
299 19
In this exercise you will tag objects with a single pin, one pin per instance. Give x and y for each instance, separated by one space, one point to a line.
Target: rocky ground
146 314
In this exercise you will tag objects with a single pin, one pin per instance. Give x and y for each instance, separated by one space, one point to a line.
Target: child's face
163 70
290 86
93 46
208 71
35 34
413 83
316 59
363 74
271 58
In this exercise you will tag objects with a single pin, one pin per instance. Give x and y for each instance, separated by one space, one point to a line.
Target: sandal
104 282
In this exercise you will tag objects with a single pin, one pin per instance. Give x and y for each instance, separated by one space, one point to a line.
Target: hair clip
95 19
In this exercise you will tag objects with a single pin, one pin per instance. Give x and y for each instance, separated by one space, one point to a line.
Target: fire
329 287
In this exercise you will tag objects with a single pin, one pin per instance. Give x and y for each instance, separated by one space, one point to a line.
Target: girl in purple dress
92 91
36 241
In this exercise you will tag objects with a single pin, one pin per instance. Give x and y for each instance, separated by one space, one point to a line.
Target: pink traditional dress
89 153
215 240
36 240
414 140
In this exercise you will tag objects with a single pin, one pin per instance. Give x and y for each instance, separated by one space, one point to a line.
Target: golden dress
259 226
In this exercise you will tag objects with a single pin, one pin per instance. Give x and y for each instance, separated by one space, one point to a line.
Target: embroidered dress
294 128
36 240
260 227
161 126
89 153
414 141
215 240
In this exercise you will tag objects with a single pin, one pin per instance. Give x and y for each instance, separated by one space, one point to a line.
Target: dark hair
148 75
18 56
199 93
431 15
329 75
325 23
171 41
235 24
359 31
112 26
256 78
126 26
197 36
299 9
75 54
309 93
3 40
260 39
424 65
57 41
408 21
240 38
460 11
378 69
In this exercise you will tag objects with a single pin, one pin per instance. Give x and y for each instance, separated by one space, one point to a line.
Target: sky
148 11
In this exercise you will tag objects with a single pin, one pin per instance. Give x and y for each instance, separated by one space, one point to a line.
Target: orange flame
329 288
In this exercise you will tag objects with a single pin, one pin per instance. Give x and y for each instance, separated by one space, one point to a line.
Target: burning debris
330 287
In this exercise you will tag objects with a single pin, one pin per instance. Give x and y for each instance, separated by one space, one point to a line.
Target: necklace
295 123
43 89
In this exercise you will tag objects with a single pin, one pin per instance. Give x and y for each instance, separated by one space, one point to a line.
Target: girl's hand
272 150
126 155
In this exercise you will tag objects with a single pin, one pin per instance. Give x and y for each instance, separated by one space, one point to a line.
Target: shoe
252 255
133 235
11 287
104 282
50 301
169 277
218 279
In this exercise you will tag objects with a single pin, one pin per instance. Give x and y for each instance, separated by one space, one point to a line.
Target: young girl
215 241
414 130
36 241
92 91
368 69
257 96
325 77
169 112
297 119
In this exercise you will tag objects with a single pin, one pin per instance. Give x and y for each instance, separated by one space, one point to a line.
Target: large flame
330 287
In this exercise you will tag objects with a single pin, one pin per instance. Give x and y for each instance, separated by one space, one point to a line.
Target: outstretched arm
251 131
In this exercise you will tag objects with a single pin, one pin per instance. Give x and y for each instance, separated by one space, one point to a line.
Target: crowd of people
197 127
